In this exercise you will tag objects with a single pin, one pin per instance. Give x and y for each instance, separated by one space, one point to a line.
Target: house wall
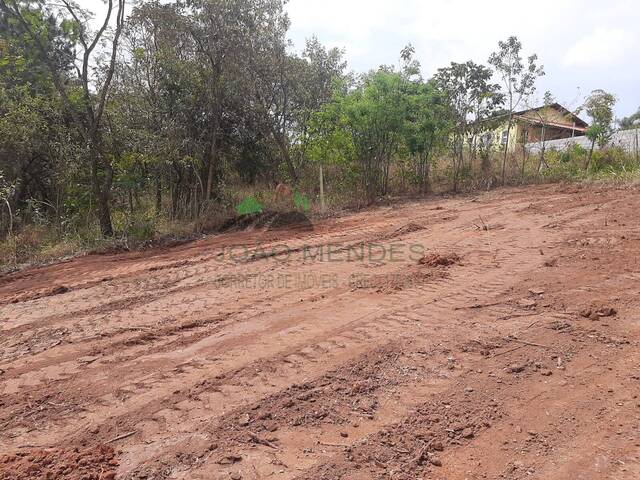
534 134
497 136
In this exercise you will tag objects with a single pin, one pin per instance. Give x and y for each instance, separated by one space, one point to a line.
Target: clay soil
255 354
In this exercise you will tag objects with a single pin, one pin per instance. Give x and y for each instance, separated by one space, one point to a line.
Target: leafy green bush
566 164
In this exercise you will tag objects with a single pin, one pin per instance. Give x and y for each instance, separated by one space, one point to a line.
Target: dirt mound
290 220
245 222
440 260
268 221
97 463
596 313
418 441
408 228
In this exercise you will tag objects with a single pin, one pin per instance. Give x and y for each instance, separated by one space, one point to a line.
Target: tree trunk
175 191
195 209
542 151
524 153
322 202
174 202
104 214
385 177
102 192
158 194
131 201
426 180
211 163
457 163
10 226
105 201
473 152
284 150
588 164
506 149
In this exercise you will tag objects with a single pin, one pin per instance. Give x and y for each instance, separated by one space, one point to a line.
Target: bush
565 165
35 244
612 163
612 160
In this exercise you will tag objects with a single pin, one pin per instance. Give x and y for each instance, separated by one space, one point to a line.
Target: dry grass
34 245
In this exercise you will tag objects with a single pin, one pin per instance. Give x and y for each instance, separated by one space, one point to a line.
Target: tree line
177 104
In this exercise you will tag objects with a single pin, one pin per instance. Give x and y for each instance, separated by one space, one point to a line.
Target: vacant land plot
476 337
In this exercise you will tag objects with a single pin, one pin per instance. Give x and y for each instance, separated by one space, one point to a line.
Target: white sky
584 44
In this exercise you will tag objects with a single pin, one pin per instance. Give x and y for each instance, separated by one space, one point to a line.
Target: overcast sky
583 44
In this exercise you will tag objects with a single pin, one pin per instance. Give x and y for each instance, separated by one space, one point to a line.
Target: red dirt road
250 356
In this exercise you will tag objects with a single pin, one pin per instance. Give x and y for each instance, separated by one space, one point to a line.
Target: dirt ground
485 337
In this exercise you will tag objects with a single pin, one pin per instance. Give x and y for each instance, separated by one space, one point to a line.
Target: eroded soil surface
481 337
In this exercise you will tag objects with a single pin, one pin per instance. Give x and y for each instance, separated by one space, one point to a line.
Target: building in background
549 122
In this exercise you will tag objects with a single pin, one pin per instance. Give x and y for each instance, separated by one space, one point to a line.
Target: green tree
230 40
599 106
518 78
202 71
36 141
85 95
472 99
427 129
289 88
159 95
376 114
364 126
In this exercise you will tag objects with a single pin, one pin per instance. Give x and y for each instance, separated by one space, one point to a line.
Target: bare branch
72 12
112 63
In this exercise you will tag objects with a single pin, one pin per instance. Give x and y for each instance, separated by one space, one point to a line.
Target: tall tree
364 125
427 124
427 129
231 37
518 78
376 114
86 111
472 98
599 106
32 124
289 88
547 100
160 93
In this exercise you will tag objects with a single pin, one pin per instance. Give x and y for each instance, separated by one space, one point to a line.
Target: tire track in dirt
176 387
428 439
117 295
302 409
399 320
83 388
